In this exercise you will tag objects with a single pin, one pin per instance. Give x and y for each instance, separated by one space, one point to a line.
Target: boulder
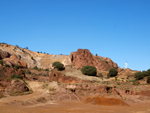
14 60
4 54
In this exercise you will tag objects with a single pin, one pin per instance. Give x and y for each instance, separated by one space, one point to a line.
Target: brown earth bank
61 98
74 107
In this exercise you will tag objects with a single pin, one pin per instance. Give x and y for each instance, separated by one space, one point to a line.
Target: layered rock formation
83 57
14 60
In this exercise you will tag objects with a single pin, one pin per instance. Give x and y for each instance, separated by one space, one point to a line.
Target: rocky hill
25 58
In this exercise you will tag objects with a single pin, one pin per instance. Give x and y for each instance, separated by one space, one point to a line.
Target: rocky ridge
27 58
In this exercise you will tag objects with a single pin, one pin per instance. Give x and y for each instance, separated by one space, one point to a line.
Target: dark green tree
58 65
112 73
89 70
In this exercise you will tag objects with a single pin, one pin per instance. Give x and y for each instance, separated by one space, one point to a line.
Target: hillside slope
78 59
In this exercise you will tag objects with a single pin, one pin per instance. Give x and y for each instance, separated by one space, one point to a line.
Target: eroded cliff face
80 58
83 57
31 58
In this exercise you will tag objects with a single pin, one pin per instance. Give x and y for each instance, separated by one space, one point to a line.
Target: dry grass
77 73
17 93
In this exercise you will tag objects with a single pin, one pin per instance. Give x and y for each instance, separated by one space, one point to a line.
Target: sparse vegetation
1 62
17 93
32 58
16 66
28 72
46 69
3 43
141 75
14 76
26 48
35 67
58 65
6 65
112 73
106 62
39 69
23 50
148 80
89 70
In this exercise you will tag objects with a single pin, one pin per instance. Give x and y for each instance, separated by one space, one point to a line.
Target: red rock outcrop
14 60
83 57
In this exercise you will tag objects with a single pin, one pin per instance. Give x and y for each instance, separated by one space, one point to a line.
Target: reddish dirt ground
65 107
74 107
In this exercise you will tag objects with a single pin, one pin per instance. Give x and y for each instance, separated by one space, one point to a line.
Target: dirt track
63 107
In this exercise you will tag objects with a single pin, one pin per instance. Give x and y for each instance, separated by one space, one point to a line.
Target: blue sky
118 29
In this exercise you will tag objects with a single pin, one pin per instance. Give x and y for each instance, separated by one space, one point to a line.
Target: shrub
6 65
16 66
39 69
1 62
16 76
35 67
139 75
136 83
89 70
58 65
148 79
46 69
148 72
112 73
32 58
28 72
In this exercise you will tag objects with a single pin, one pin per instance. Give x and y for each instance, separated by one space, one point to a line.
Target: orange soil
104 101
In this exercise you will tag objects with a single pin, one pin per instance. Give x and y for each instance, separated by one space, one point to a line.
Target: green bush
35 67
16 66
6 65
39 69
58 65
16 76
28 72
148 79
112 73
32 58
148 72
1 62
89 70
141 75
46 69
